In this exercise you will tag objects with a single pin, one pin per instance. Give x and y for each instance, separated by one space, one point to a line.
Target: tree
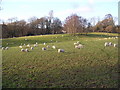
73 24
4 31
32 26
110 29
41 25
108 22
21 28
56 26
12 26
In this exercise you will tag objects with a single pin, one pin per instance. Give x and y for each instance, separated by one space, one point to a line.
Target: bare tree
73 24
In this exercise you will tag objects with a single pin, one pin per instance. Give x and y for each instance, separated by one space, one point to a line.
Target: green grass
93 66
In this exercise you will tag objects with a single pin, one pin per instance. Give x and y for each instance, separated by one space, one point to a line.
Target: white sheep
31 48
106 44
22 50
116 37
35 45
44 43
28 45
20 46
53 47
105 38
43 48
76 43
79 46
26 50
26 39
115 45
48 46
110 43
3 48
6 48
60 50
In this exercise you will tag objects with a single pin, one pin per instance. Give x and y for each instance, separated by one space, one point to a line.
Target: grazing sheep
43 48
115 45
60 50
76 43
6 48
44 43
31 48
48 46
24 44
105 38
20 46
72 39
106 44
110 43
116 37
26 39
53 47
28 45
79 46
3 48
35 45
26 50
22 50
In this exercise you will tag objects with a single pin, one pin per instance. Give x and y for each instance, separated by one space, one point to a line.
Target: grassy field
93 66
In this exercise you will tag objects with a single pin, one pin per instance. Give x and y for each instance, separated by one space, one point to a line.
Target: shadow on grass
101 76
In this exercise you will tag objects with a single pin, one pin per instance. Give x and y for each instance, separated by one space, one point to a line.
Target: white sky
24 9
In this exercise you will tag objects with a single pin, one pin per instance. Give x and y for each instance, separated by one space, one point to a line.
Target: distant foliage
35 26
106 25
52 25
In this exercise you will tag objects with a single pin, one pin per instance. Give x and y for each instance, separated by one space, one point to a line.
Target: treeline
52 25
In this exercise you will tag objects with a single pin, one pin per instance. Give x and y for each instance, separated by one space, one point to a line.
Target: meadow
94 66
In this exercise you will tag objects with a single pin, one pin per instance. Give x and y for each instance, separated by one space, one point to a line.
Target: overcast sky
24 9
